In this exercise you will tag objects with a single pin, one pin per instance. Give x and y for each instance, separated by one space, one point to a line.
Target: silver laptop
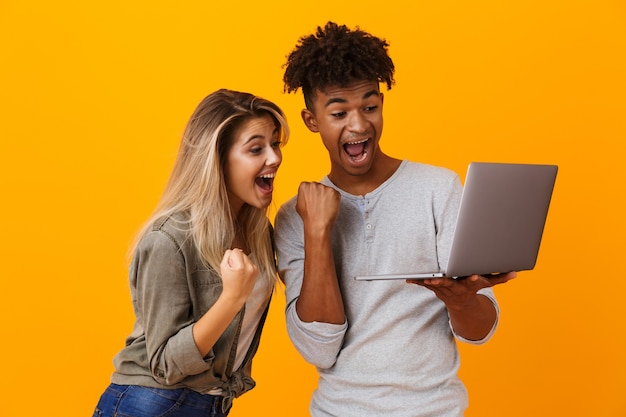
500 223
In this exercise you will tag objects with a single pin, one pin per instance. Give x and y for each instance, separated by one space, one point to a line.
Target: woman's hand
239 275
238 278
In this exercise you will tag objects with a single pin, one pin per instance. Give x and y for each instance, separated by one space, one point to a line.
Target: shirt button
369 226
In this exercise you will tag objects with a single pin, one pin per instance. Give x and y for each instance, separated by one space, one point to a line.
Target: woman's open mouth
266 182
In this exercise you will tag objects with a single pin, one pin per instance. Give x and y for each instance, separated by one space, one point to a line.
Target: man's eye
338 114
371 108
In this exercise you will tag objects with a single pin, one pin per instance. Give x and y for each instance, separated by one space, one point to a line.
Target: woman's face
252 162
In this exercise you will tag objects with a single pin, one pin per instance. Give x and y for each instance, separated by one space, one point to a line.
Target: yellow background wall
94 97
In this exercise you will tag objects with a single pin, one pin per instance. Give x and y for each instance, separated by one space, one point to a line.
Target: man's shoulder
422 173
429 169
287 211
289 204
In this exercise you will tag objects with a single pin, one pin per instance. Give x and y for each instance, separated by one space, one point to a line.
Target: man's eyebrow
335 100
370 93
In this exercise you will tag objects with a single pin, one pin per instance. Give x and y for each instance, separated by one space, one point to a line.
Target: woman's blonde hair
197 183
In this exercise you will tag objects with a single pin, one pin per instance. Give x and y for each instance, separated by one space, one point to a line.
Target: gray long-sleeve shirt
396 354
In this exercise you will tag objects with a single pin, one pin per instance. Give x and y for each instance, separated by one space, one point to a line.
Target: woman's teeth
265 181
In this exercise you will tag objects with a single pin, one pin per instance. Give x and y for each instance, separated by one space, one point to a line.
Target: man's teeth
357 142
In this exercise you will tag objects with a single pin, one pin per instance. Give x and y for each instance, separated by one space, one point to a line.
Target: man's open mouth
357 151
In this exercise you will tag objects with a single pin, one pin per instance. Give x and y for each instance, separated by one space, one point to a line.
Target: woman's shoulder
175 227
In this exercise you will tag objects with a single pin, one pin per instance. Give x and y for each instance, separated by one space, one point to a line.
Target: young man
382 348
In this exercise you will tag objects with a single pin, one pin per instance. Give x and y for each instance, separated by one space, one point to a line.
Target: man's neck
384 167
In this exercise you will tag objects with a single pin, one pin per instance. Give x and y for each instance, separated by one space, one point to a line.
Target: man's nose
357 122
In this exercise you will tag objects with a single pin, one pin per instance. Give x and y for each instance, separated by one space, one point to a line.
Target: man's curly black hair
336 56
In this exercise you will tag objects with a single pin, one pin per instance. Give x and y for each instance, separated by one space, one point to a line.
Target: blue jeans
137 401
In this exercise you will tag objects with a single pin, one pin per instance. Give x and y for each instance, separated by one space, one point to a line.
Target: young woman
203 267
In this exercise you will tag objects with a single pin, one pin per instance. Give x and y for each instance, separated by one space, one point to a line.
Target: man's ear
309 120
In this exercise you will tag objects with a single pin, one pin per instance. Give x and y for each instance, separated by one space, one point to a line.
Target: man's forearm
474 320
320 297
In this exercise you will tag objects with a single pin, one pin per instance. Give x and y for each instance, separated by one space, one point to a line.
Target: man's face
349 121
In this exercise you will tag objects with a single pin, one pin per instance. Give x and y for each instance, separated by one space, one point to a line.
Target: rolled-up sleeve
487 292
163 304
318 343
